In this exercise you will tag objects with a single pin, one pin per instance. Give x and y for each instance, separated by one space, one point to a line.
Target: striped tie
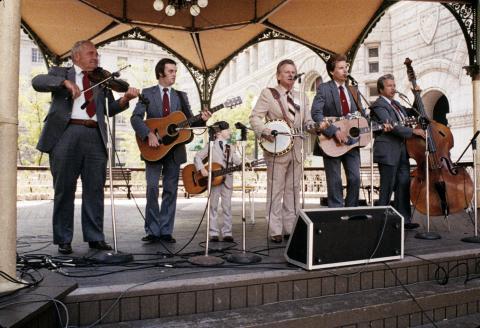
292 107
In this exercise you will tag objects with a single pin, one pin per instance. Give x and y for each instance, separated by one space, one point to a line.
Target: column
9 66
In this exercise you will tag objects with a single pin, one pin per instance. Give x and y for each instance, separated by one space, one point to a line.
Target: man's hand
206 114
267 135
73 88
387 127
419 132
153 140
204 172
341 136
131 93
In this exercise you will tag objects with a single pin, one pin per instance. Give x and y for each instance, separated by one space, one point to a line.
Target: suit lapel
336 97
353 105
157 99
174 101
391 111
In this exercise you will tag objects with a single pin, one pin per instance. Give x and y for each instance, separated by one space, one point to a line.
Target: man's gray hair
381 80
77 46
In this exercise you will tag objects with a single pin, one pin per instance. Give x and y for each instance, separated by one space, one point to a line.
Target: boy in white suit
224 155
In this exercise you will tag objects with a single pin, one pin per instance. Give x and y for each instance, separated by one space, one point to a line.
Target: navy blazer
327 103
60 111
155 110
387 144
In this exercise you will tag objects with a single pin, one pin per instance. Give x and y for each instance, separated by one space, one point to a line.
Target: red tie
398 111
91 110
344 102
166 103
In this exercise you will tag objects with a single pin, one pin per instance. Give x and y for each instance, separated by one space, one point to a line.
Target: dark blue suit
327 103
390 152
74 151
160 221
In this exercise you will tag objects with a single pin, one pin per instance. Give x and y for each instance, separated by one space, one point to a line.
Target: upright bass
450 187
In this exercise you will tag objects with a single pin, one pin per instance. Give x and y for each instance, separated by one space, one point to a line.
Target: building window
36 55
373 58
122 61
372 91
122 43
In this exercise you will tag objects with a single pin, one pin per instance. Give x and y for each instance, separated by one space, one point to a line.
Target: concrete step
386 307
468 321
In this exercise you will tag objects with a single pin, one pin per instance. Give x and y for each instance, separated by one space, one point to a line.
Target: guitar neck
198 117
227 170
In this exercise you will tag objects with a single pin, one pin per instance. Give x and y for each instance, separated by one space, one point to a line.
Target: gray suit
327 103
74 151
223 191
390 152
160 221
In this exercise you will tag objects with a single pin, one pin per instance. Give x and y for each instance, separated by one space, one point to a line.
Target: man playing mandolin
390 151
283 171
163 100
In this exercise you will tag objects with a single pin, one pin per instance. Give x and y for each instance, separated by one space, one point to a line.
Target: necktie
166 102
343 101
292 107
221 145
398 112
91 110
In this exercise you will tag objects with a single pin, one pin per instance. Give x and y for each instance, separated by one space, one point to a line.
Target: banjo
284 137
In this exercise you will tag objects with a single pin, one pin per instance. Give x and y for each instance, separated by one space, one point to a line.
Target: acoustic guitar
173 130
195 183
358 132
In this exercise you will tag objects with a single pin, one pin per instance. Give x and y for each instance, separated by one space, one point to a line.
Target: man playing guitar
163 100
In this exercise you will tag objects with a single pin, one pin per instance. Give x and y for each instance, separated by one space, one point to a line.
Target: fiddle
100 76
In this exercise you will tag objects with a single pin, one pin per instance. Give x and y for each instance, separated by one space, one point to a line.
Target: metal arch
50 58
268 34
352 53
466 16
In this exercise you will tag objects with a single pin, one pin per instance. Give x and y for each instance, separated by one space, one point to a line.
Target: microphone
354 82
401 94
240 125
296 76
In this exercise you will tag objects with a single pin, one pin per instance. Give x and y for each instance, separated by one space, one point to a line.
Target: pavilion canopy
222 29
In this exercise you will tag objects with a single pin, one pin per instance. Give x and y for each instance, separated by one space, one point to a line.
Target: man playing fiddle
75 137
390 151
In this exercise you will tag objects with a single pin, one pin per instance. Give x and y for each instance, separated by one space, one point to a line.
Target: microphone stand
243 257
428 235
207 260
370 123
302 149
116 257
475 238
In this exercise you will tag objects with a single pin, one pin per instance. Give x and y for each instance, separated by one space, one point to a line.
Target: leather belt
87 123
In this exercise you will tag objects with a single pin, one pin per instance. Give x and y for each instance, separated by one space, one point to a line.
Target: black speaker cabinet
333 237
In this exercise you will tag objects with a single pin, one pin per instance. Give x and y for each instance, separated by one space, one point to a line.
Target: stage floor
169 262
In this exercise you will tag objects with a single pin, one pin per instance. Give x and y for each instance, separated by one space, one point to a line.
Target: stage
162 284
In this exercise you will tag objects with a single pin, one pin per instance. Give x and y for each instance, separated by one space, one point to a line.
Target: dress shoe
228 239
150 238
167 239
101 245
65 248
286 236
276 239
214 239
411 225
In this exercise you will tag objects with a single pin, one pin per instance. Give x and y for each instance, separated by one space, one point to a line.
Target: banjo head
283 143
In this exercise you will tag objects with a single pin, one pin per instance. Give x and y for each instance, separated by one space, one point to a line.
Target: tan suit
284 172
224 190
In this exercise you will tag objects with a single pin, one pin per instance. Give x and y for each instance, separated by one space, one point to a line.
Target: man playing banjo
280 107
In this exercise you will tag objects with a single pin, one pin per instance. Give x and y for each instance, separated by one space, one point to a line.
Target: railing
35 182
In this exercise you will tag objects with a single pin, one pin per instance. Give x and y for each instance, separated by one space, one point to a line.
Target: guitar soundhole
172 130
354 132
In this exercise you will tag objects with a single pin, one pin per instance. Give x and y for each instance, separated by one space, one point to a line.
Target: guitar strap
353 90
276 96
228 155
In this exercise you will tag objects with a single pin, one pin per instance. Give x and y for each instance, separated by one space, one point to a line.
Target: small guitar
358 131
195 183
169 131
